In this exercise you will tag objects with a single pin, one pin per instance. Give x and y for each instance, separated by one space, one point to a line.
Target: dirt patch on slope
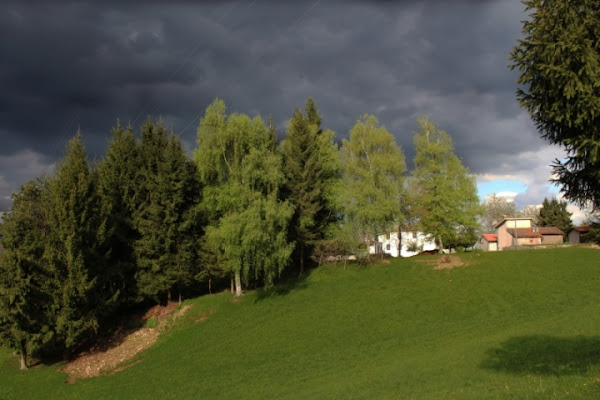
449 262
444 262
123 345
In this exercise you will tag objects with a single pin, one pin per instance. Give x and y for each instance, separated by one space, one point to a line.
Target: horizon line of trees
148 224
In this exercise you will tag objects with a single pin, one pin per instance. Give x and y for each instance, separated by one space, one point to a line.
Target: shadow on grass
544 355
281 289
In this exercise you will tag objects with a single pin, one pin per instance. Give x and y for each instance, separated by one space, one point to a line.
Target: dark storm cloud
83 65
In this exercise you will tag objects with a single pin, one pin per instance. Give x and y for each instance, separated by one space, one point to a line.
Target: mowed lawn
509 325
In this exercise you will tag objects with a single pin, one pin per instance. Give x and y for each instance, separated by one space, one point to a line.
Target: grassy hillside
521 325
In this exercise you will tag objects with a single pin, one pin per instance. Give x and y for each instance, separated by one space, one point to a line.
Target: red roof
523 233
490 237
550 230
582 229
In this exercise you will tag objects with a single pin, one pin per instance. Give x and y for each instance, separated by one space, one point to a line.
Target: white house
406 243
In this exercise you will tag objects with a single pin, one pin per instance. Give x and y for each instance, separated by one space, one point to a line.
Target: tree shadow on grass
544 355
281 289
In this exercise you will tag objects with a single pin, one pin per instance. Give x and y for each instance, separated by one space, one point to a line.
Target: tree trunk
231 285
441 244
238 284
301 259
23 357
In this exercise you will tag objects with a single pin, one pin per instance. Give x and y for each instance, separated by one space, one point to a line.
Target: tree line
148 224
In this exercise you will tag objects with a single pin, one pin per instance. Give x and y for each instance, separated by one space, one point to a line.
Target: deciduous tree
496 208
373 168
447 202
242 178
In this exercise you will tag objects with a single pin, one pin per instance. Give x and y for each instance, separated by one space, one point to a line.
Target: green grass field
509 325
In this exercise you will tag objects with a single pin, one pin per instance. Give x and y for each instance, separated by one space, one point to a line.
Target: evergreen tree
242 177
373 168
311 169
559 63
447 202
26 284
119 174
166 216
77 249
554 213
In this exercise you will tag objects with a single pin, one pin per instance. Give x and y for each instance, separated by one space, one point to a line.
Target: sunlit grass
506 325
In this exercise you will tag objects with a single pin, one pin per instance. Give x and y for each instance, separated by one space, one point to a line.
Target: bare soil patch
445 262
107 354
449 262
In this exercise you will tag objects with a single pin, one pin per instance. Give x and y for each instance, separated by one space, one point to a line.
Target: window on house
388 247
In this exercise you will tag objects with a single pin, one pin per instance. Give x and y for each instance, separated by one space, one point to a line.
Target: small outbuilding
524 236
574 234
489 242
551 235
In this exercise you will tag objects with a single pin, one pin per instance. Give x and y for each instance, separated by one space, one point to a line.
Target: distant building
551 235
408 242
489 242
512 232
574 235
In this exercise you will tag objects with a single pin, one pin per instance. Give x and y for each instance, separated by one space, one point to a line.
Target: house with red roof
516 232
489 242
513 232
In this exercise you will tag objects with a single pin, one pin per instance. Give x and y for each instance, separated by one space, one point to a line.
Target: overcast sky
73 65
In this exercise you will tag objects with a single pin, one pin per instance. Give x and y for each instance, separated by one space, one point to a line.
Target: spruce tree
554 213
310 165
77 249
558 58
119 175
27 287
166 216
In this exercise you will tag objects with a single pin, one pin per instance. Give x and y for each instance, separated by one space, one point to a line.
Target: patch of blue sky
500 186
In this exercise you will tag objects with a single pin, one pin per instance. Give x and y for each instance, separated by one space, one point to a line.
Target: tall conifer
78 246
311 168
166 216
27 287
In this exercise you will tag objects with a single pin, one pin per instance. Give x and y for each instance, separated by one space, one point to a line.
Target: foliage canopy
558 59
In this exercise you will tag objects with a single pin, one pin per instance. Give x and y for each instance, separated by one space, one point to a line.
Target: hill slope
505 325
